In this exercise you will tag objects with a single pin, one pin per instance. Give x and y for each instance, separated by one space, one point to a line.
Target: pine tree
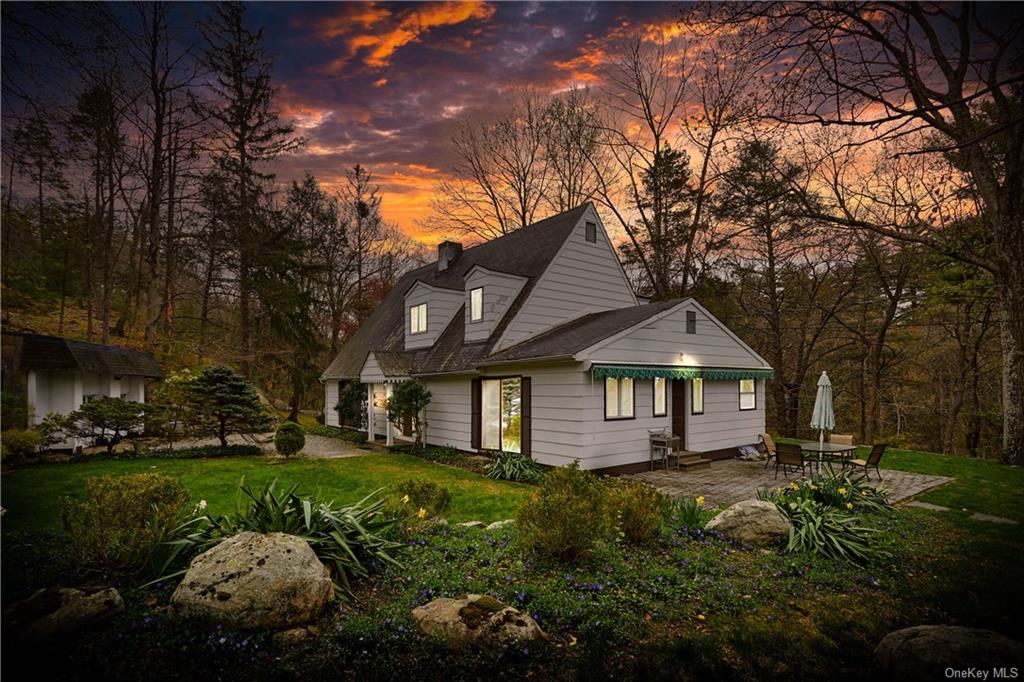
247 134
223 402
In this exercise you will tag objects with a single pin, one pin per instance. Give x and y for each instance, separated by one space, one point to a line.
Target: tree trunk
1011 299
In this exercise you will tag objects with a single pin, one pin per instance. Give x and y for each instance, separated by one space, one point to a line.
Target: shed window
691 322
660 403
618 398
696 396
476 304
418 318
748 396
592 232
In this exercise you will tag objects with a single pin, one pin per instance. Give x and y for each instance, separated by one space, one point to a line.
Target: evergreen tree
247 133
223 402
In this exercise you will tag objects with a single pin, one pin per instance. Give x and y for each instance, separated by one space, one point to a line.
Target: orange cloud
380 82
365 15
379 47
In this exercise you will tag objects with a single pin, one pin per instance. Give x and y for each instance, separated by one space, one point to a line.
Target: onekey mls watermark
981 673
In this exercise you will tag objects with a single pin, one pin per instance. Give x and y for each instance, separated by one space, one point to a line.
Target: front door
679 410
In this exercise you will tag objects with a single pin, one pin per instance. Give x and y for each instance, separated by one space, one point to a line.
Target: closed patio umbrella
823 418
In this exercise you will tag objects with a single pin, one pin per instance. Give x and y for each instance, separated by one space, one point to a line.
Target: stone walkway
728 481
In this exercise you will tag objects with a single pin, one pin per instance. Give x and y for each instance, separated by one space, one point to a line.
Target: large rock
754 522
476 619
255 582
60 610
928 652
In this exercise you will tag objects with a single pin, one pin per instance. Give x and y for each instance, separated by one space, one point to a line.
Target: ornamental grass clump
567 515
352 540
636 510
512 466
123 522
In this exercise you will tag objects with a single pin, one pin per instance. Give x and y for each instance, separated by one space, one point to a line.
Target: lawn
32 495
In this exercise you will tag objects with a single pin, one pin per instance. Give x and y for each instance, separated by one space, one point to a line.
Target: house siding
723 424
448 414
330 400
500 290
621 441
584 277
662 341
442 305
371 371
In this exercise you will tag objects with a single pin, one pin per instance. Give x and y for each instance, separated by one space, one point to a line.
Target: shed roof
56 354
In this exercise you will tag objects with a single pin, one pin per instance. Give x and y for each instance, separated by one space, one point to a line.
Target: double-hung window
696 396
748 394
476 304
418 318
660 402
618 398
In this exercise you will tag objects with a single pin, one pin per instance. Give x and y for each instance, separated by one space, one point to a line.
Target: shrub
419 502
222 402
351 540
123 521
107 420
351 407
511 466
637 510
207 452
441 453
289 439
18 444
408 400
566 517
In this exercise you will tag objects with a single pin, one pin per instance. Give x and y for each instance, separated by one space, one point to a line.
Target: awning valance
680 372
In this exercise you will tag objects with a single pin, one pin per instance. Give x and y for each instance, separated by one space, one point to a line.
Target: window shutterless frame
654 398
696 388
476 304
605 402
413 313
752 392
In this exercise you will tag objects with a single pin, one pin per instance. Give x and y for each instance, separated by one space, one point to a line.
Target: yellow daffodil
405 499
814 487
700 500
849 505
842 491
422 513
794 485
700 616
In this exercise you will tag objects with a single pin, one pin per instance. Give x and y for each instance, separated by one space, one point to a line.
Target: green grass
32 496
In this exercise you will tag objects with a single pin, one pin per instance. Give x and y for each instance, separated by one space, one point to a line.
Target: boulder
476 619
754 522
60 610
499 524
292 638
473 524
928 652
255 581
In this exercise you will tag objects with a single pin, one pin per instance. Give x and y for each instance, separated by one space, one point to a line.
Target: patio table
662 447
829 450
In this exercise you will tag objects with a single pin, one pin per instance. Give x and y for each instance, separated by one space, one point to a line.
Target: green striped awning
681 372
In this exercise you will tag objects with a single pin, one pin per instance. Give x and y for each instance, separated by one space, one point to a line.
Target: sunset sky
383 84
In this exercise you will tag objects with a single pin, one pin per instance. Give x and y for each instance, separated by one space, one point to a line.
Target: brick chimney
447 253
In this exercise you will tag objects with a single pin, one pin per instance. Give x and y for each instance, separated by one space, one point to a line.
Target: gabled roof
58 354
525 252
583 332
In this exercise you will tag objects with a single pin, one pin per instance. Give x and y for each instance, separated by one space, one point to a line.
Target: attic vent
447 253
591 232
691 322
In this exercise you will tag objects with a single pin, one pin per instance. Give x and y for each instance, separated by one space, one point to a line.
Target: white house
536 343
51 374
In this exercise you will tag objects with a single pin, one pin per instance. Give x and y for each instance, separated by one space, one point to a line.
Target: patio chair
841 439
874 457
789 456
769 448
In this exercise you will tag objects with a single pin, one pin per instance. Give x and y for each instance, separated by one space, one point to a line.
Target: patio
726 482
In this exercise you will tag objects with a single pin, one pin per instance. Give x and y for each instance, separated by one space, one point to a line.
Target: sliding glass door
501 406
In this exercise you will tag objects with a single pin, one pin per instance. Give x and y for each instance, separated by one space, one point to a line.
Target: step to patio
692 461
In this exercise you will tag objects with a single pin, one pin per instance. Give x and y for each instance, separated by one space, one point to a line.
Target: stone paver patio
728 481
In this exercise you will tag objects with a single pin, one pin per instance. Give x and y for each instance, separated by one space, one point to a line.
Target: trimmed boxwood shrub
289 439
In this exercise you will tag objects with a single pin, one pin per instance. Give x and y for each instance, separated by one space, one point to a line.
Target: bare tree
892 70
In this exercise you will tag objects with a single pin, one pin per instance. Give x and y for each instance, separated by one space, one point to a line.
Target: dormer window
476 304
418 318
